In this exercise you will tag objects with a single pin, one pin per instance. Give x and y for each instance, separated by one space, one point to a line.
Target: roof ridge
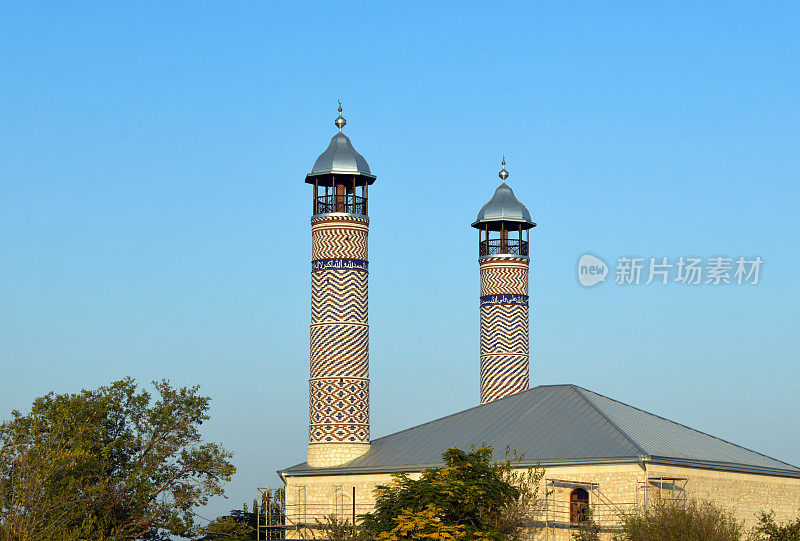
579 391
684 426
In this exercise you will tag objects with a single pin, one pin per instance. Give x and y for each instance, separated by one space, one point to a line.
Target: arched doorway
578 505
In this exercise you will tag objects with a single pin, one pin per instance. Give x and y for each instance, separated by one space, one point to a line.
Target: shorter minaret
503 226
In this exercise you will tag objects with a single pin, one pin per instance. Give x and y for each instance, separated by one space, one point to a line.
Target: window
578 506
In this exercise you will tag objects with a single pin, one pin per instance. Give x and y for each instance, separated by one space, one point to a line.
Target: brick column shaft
504 326
339 378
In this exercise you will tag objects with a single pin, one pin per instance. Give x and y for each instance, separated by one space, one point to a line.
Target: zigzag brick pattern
340 239
498 278
339 334
338 295
504 329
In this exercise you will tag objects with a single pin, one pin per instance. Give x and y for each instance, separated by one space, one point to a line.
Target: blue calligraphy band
339 264
504 299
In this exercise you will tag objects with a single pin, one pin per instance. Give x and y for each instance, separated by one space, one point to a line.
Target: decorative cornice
339 217
504 258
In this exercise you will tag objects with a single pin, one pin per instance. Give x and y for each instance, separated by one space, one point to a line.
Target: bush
768 530
678 521
588 529
336 529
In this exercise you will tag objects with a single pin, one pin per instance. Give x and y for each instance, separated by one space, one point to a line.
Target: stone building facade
613 489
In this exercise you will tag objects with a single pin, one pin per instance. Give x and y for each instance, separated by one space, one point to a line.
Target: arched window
578 505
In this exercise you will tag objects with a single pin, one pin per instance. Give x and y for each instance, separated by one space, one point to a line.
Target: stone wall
613 489
743 494
312 498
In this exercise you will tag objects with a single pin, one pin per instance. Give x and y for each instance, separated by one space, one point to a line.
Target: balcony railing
352 204
500 246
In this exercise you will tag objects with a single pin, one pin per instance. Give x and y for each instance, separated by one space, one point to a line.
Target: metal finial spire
503 173
340 121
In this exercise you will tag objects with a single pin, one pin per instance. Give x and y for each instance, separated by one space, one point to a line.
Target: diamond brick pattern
339 410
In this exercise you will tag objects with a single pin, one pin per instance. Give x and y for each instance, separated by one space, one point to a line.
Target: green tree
242 524
227 528
769 530
471 497
239 525
679 521
112 462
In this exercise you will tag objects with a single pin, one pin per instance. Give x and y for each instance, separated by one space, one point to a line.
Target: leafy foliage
237 526
678 521
335 529
588 529
768 530
469 498
424 524
110 462
261 520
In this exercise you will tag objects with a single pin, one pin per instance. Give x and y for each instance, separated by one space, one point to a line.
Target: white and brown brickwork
504 326
338 428
339 335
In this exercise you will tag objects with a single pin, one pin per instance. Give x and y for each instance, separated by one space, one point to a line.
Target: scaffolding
557 511
304 518
666 489
271 517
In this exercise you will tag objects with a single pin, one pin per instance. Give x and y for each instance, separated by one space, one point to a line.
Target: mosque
597 451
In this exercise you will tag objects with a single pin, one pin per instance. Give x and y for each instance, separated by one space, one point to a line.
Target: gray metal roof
340 158
504 207
556 424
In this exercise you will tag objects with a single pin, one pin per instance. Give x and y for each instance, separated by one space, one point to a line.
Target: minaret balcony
503 247
346 203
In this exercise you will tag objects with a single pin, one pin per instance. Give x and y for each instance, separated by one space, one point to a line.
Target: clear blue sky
154 222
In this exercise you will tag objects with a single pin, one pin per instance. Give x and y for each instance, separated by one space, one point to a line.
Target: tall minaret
503 255
339 382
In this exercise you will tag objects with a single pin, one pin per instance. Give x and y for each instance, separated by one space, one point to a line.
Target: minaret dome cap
340 158
503 207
